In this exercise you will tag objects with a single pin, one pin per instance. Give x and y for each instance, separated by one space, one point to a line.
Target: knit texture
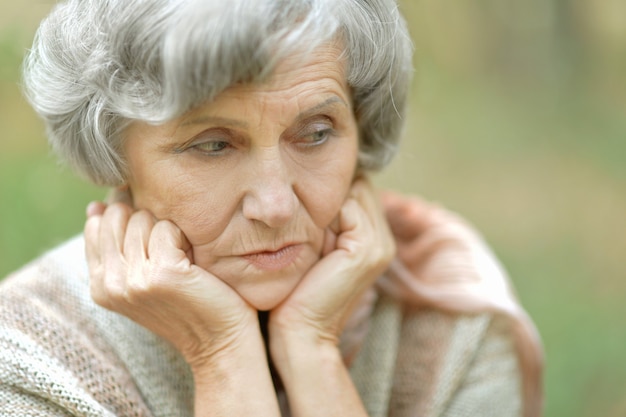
62 355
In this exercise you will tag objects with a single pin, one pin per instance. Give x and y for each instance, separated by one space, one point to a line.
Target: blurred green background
518 121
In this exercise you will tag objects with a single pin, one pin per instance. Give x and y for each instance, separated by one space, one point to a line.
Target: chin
268 290
268 296
264 303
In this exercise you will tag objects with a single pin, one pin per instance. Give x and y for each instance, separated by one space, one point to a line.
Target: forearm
316 379
236 382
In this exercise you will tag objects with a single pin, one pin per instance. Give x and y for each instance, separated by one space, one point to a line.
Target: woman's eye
316 136
320 136
212 147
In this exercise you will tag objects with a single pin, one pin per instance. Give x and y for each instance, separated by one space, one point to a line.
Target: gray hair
97 65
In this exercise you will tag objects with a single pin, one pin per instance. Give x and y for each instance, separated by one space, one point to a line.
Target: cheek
324 210
201 213
200 219
324 196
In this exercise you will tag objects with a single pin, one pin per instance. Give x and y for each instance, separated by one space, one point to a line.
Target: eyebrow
227 122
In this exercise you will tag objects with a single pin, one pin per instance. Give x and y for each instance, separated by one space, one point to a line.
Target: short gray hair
96 65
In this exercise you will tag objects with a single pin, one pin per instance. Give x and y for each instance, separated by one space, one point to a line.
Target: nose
270 197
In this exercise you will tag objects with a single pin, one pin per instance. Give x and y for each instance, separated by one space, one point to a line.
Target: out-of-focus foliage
518 121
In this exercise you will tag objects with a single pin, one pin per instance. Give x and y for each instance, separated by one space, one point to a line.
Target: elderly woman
243 264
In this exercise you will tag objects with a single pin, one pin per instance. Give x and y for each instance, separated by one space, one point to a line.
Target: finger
367 197
92 239
334 225
113 229
363 191
137 237
94 260
358 239
407 217
109 285
330 239
95 208
351 221
168 245
93 254
357 185
375 230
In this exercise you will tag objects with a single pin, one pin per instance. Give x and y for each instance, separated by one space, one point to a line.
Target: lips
274 260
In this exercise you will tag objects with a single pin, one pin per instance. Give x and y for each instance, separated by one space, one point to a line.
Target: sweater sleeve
52 360
36 380
491 383
444 264
14 402
455 365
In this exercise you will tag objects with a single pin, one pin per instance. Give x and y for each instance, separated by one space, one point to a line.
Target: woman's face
254 177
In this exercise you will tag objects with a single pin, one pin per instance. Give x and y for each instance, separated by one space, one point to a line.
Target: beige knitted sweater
62 355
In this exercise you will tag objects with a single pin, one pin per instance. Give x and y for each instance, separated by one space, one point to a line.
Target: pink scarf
443 263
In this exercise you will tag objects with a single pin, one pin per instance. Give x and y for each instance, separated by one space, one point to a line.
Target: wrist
298 353
236 379
229 350
316 379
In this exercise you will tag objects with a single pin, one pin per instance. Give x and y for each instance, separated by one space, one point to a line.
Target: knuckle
165 228
141 218
107 284
137 291
114 289
153 281
381 255
142 285
117 212
99 294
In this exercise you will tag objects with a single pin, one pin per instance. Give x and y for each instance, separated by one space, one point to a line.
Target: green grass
41 206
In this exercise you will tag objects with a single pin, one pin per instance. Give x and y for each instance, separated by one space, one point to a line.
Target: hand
143 269
359 247
410 218
442 261
304 329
